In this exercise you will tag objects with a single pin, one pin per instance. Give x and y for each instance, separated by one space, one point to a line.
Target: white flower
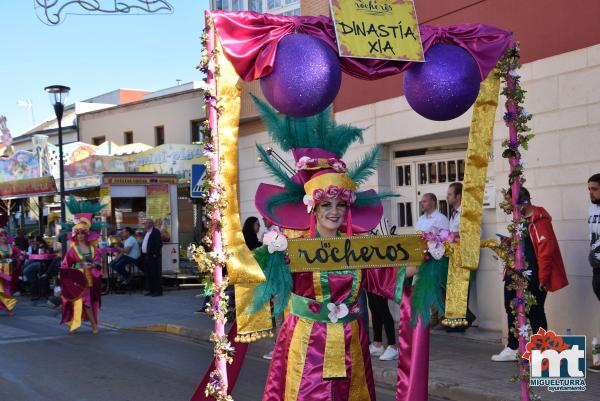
514 74
309 202
214 197
275 241
527 273
336 311
524 330
436 249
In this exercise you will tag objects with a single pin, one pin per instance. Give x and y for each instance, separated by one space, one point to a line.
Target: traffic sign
197 180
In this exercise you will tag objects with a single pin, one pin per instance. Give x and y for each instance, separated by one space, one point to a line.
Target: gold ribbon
457 287
243 270
75 322
476 163
334 361
464 256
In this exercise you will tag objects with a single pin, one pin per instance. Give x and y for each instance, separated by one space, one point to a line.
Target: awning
26 188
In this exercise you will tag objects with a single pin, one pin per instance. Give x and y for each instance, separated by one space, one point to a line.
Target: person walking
381 318
151 257
545 262
594 226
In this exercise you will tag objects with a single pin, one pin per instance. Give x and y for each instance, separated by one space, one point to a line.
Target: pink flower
333 192
318 195
314 307
348 195
338 165
355 309
303 162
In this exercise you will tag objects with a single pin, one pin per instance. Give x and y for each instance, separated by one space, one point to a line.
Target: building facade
561 73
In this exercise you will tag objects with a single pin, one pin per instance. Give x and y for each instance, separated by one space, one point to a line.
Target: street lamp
58 95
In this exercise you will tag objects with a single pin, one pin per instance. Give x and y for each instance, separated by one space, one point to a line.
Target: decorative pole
217 243
516 214
516 268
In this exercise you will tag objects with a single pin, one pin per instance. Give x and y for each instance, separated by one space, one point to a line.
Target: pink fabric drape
250 41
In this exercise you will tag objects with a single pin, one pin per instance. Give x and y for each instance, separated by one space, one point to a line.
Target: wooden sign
379 29
360 252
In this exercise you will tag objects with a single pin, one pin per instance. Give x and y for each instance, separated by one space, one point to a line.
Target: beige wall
564 96
174 112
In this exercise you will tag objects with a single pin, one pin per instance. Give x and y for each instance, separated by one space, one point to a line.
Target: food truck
130 199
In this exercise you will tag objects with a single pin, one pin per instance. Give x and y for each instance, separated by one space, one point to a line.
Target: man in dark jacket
151 257
544 260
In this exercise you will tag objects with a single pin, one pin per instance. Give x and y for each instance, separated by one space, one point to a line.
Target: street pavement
157 349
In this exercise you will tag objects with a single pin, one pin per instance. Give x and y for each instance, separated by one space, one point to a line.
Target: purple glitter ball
445 86
306 76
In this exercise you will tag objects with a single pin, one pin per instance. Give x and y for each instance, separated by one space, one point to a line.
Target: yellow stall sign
379 29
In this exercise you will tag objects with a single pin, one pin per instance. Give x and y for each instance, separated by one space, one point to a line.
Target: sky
92 54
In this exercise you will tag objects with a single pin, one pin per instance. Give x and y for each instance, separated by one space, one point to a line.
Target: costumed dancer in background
322 351
9 256
82 260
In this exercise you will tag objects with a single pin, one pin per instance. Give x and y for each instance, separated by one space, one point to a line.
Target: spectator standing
454 198
544 260
431 219
382 319
129 253
268 226
151 257
594 224
250 230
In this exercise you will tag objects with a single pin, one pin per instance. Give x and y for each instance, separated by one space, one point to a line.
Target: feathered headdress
83 216
317 144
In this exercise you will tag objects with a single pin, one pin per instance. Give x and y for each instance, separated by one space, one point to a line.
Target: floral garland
516 118
214 203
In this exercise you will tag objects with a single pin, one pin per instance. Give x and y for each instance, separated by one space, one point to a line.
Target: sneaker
268 355
594 368
506 355
375 350
390 354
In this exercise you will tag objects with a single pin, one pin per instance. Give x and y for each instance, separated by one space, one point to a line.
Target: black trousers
537 314
596 282
381 318
153 273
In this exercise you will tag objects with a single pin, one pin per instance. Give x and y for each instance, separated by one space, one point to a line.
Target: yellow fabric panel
476 163
359 391
334 361
296 358
75 323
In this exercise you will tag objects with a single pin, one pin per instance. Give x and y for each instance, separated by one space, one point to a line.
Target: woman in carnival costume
9 255
322 351
81 275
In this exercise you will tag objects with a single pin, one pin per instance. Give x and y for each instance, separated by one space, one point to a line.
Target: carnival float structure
296 60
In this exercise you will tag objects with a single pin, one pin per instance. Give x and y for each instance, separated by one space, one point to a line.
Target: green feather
318 131
278 284
360 171
427 290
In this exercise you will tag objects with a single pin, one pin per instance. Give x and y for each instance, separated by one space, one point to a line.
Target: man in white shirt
129 254
268 226
431 219
454 197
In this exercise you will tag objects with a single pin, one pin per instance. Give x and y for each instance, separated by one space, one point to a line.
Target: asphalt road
39 361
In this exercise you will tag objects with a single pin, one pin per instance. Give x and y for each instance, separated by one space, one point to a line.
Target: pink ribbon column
516 214
217 243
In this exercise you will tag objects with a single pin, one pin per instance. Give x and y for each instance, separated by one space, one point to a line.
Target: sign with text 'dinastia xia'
378 29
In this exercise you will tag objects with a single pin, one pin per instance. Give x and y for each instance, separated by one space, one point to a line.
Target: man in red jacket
544 260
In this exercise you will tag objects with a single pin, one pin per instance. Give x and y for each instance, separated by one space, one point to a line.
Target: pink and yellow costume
89 264
322 352
8 259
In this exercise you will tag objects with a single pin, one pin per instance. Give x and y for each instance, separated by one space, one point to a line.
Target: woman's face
81 236
256 226
330 214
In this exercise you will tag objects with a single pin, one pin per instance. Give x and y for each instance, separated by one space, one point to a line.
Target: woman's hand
411 271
